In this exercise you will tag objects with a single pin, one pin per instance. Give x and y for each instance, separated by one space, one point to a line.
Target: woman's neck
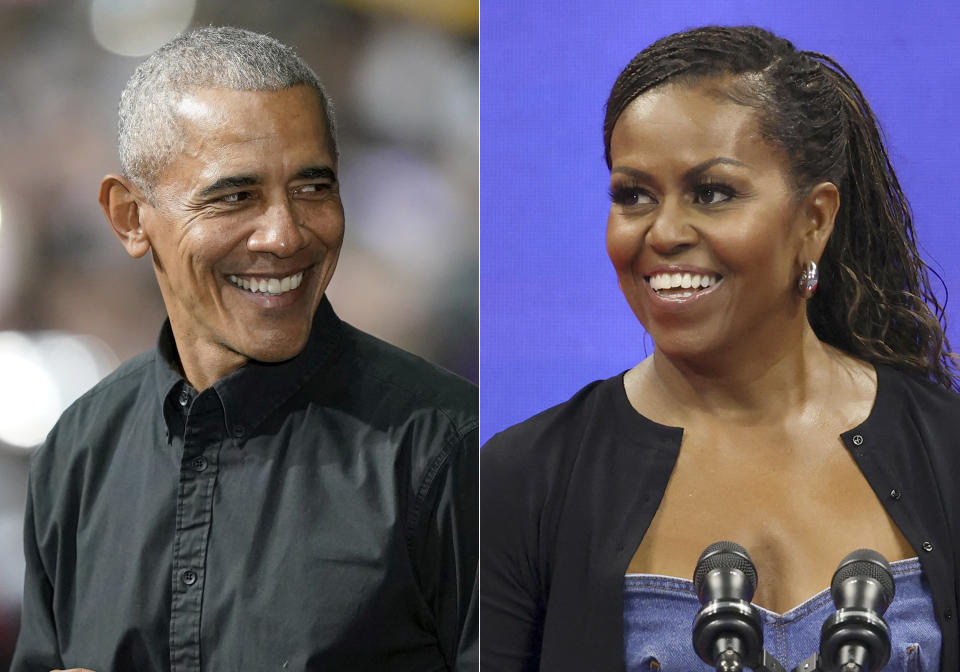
754 387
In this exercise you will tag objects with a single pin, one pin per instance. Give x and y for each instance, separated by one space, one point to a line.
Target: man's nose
277 231
672 229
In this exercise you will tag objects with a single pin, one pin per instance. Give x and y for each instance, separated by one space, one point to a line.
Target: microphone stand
729 661
768 664
811 664
814 664
727 630
855 638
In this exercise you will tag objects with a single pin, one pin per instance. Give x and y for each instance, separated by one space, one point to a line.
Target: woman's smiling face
706 231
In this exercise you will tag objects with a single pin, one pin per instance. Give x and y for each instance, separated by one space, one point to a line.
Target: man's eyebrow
231 182
316 173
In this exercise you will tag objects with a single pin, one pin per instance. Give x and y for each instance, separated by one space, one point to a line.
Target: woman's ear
121 202
818 212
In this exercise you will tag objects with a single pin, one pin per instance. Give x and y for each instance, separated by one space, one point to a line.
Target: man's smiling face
246 225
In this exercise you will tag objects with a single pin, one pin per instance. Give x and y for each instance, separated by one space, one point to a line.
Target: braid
695 54
877 303
875 299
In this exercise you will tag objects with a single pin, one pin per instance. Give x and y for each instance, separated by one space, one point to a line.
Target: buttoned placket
202 438
896 497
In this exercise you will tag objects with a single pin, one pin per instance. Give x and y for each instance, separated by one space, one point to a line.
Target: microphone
727 631
856 638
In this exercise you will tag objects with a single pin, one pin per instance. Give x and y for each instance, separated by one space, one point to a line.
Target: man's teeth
681 280
268 285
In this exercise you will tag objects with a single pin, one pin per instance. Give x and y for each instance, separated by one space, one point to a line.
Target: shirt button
895 494
189 577
239 431
927 546
947 614
184 398
199 463
857 439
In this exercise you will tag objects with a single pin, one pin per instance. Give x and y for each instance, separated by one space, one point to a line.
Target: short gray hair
212 57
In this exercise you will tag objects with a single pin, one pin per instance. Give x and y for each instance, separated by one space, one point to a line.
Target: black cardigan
567 496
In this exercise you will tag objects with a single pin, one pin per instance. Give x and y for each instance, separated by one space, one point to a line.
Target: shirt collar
257 389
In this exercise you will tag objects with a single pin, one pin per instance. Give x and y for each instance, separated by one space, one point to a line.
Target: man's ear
819 210
121 202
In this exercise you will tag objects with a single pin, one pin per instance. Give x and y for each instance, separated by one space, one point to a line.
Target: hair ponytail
875 300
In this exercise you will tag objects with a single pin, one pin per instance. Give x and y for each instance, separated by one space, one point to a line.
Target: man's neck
203 363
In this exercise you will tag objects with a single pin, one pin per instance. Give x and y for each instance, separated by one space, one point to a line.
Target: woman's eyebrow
710 163
631 172
692 172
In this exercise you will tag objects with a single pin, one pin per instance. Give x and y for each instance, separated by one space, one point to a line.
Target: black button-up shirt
318 514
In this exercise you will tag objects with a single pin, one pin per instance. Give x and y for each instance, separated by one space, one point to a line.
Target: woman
797 402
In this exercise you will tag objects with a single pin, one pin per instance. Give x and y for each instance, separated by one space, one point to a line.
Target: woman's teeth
662 281
268 285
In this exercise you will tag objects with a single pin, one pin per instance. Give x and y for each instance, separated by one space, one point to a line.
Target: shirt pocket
911 658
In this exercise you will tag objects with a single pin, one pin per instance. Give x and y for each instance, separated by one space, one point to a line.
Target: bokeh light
51 371
137 27
30 406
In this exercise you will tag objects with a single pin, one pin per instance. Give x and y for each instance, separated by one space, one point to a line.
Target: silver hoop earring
809 278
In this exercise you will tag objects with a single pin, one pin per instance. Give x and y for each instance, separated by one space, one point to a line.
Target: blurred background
403 78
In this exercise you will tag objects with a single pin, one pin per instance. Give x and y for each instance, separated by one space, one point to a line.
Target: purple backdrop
551 316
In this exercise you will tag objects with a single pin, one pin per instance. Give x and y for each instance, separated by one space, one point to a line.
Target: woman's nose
672 228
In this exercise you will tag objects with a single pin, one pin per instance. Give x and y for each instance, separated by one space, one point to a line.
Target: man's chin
273 350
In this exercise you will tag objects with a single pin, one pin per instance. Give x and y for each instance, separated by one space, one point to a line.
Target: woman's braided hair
874 299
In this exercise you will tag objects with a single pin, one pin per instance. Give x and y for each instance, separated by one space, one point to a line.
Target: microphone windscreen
725 555
867 563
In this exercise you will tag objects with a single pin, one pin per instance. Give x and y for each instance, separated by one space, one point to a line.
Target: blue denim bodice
659 613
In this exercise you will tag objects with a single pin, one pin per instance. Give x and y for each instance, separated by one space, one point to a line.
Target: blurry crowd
403 78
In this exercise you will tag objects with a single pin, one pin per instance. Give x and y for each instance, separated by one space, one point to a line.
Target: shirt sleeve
511 608
447 560
36 649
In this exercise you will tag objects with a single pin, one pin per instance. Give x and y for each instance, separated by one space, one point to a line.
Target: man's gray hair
213 57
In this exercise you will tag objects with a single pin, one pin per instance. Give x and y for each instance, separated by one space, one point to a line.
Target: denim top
659 611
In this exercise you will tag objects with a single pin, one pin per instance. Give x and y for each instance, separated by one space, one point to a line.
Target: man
270 488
